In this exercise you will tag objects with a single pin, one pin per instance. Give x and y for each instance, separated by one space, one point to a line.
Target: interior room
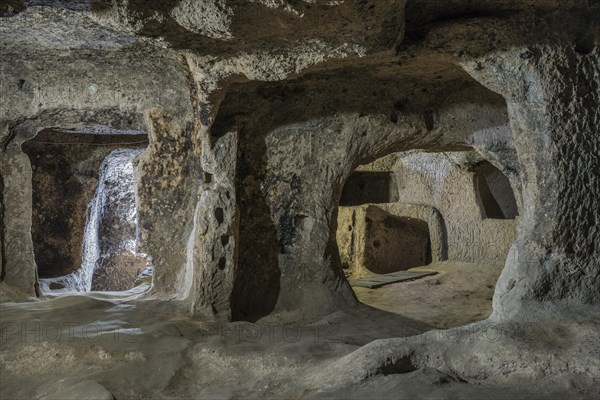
225 199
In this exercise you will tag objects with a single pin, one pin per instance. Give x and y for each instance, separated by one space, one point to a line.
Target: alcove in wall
494 193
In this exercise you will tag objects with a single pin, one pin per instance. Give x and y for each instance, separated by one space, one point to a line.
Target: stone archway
19 268
293 169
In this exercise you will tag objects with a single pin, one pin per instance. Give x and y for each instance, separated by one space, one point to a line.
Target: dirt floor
460 293
72 346
140 350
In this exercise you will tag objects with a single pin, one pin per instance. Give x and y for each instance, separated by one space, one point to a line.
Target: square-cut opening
84 210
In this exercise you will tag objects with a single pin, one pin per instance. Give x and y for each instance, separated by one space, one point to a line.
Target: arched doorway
427 252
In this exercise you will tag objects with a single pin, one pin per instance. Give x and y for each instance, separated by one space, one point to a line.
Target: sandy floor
144 350
460 293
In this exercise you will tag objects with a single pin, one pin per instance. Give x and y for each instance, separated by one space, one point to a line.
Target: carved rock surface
258 111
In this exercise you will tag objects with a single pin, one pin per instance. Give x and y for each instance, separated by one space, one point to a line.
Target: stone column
553 99
18 265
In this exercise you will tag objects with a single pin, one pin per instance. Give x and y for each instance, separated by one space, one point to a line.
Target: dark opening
495 195
257 280
369 187
219 215
83 186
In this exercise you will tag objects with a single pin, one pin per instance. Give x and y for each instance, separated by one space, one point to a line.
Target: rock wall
441 190
258 112
112 240
358 228
65 170
120 90
448 183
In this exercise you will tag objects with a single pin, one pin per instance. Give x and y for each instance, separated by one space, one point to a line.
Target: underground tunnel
299 199
84 221
383 228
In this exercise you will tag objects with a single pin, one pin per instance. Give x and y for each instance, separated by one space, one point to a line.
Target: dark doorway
495 195
84 219
369 187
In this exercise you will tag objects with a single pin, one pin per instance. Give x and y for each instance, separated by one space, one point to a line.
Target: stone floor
460 293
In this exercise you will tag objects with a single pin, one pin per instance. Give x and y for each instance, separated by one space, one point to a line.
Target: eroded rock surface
258 112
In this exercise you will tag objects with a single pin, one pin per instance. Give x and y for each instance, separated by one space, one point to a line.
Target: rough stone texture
65 172
259 112
442 191
86 390
115 235
447 182
356 242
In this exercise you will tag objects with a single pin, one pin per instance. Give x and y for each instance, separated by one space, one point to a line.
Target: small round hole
219 215
225 240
